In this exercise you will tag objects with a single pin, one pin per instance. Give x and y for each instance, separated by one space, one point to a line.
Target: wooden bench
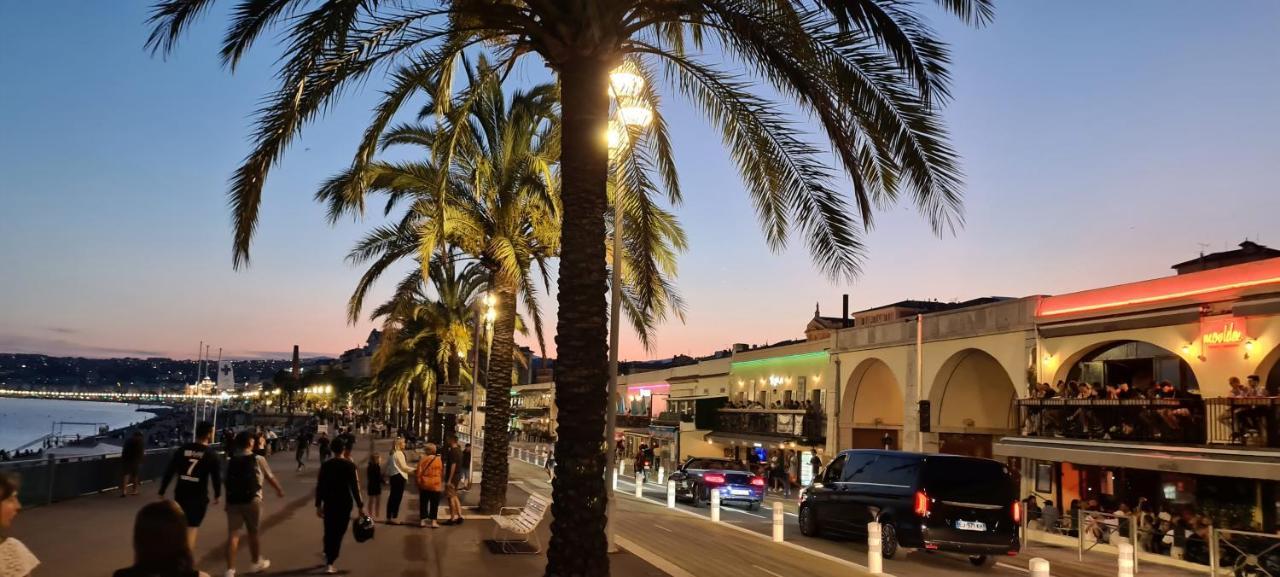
523 524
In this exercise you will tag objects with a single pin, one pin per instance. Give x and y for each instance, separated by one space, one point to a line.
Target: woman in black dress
374 475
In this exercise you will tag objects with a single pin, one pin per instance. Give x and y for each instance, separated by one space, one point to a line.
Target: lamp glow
625 83
636 115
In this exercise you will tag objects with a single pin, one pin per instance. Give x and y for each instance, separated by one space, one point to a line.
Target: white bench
524 524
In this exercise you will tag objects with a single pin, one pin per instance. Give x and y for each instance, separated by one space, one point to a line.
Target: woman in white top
400 472
15 559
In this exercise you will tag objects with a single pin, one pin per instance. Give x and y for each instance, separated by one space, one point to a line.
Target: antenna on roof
1203 246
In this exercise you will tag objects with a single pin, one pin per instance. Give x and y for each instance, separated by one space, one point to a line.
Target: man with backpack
246 473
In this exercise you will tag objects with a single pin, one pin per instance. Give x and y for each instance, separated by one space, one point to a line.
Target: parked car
698 477
934 502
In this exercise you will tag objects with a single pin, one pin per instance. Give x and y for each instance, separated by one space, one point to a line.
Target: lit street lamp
489 315
633 112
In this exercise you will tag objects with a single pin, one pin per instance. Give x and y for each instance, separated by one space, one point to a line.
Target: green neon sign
789 359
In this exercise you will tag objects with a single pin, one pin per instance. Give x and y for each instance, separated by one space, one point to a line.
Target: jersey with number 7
194 465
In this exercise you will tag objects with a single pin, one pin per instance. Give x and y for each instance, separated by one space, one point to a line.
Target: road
907 563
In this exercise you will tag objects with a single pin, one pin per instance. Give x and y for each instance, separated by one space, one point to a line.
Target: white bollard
662 474
715 505
615 480
671 494
777 521
1039 568
874 560
639 489
1125 560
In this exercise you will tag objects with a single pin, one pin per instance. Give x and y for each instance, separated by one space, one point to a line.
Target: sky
1102 142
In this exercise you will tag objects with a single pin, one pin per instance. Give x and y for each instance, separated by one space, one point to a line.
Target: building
533 411
357 362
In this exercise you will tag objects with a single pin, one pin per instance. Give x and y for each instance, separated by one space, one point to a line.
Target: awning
1225 462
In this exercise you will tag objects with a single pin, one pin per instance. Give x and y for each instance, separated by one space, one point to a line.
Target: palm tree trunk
578 546
452 385
497 400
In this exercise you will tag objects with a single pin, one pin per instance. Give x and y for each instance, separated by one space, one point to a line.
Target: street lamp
633 113
489 315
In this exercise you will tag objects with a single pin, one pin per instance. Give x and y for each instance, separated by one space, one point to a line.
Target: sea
25 420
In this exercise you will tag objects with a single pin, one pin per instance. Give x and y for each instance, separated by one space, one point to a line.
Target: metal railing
796 423
1244 553
1244 421
54 479
1098 527
1155 420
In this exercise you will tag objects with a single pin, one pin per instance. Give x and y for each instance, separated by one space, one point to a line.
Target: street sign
450 410
448 398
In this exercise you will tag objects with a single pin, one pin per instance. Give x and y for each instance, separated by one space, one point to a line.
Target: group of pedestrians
438 473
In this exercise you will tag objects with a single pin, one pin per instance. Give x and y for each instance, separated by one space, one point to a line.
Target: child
375 483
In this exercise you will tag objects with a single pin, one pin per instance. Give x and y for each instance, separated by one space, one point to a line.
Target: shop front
1152 401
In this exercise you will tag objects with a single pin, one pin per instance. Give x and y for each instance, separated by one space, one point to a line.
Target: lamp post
488 316
631 111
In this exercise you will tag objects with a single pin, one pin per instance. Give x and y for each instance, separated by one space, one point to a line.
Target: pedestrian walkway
91 536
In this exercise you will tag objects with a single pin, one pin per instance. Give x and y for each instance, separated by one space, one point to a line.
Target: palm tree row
482 181
870 75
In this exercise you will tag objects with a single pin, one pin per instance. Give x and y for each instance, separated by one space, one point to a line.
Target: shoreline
102 443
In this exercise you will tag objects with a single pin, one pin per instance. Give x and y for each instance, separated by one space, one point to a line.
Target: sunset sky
1102 142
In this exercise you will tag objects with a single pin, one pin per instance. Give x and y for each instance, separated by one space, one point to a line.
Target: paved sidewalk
91 536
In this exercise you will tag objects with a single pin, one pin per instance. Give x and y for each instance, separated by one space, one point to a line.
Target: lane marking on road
1014 567
652 558
767 571
768 538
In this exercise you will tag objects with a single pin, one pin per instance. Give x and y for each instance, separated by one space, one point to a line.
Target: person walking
400 472
246 473
259 443
337 492
429 478
375 477
158 546
195 465
15 559
324 444
550 465
453 465
131 463
300 452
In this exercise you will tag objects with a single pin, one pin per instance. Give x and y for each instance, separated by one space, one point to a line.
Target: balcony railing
632 421
672 418
1192 421
799 424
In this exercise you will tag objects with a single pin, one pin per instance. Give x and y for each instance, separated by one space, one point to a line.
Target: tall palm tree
497 199
870 73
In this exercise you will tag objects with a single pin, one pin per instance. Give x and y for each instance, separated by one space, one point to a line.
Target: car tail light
921 504
757 481
713 479
1017 512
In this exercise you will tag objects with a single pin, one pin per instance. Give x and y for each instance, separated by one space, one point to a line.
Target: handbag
362 528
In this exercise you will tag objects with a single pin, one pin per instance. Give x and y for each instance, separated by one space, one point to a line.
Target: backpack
242 479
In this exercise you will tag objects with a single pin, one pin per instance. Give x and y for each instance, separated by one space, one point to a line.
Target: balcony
632 421
1248 422
806 427
672 418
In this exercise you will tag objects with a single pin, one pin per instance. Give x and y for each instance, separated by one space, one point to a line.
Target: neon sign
1222 331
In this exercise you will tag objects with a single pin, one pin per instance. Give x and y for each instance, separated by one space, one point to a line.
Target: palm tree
870 73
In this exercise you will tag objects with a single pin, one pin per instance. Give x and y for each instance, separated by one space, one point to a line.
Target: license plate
971 526
739 492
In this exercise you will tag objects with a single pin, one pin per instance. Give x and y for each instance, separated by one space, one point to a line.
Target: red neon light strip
1158 298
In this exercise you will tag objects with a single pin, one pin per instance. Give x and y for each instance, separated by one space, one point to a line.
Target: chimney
297 363
844 318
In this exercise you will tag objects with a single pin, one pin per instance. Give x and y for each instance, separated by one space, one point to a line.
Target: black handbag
362 528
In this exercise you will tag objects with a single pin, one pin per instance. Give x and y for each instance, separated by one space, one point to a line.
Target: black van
933 502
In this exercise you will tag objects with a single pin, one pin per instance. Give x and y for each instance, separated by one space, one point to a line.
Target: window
835 470
859 469
891 470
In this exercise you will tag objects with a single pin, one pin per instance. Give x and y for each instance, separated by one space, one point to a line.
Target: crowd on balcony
1173 419
807 419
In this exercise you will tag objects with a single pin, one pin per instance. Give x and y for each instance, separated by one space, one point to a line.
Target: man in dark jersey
195 464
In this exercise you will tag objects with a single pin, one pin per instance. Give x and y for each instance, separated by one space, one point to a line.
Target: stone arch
1063 371
973 392
1268 369
871 406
